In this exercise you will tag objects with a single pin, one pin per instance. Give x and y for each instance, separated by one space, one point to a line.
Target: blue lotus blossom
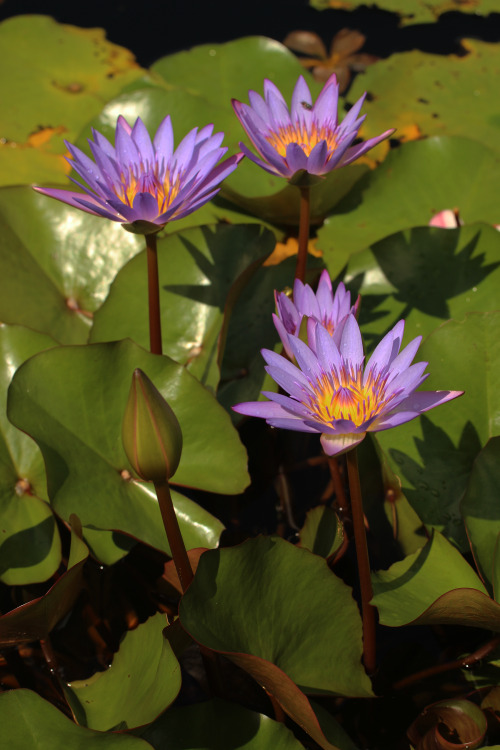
306 138
332 393
324 307
144 184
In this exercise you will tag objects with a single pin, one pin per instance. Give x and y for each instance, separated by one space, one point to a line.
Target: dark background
154 29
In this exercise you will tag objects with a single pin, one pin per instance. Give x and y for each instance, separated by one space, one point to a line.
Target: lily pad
65 74
30 721
143 680
425 276
413 11
56 263
72 400
448 95
416 181
434 585
433 455
198 727
255 604
30 546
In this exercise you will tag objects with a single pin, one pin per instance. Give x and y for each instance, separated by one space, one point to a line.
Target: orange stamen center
307 138
343 396
147 180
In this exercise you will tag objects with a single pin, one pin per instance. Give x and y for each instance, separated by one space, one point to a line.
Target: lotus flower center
343 396
141 179
307 137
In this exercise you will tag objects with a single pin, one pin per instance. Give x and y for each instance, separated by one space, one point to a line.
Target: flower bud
151 434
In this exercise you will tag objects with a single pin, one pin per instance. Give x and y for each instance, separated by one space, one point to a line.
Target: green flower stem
358 522
174 536
153 295
305 217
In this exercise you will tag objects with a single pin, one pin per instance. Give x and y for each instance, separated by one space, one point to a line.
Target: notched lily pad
65 74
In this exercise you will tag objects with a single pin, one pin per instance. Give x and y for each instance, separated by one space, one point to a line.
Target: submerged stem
174 536
153 295
304 221
358 522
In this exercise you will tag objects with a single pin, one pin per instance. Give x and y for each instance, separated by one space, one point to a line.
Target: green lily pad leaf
480 510
143 680
30 721
434 454
439 170
56 263
198 727
425 276
413 11
196 87
258 626
449 95
197 268
30 546
434 585
72 400
72 71
322 532
34 620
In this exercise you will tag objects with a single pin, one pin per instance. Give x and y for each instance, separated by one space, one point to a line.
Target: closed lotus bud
151 434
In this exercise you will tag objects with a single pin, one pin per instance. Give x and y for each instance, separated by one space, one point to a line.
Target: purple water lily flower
331 393
145 184
306 138
321 307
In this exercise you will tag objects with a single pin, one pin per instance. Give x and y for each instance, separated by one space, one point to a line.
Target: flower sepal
303 179
143 227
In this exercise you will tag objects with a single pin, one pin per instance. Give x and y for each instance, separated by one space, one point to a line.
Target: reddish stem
465 661
153 295
174 536
304 221
358 523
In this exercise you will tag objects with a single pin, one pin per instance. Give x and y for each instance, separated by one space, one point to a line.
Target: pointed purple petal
351 343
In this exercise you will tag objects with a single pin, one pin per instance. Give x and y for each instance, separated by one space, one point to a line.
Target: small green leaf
322 532
143 680
28 721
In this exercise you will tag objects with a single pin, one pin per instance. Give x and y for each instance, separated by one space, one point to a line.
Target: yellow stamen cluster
304 137
148 182
343 396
